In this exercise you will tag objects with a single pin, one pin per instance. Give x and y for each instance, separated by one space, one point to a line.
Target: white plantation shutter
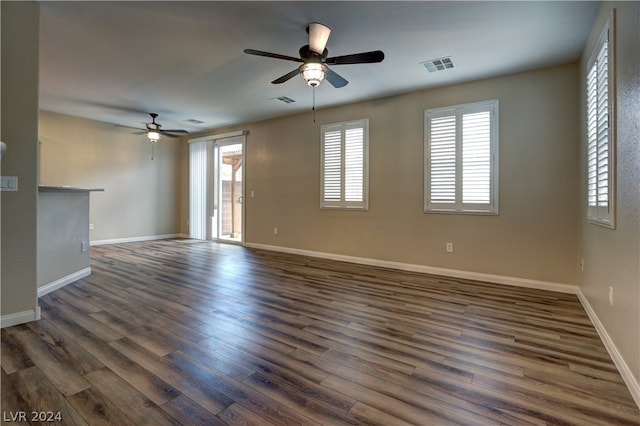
600 150
332 190
344 166
443 160
461 152
354 164
476 158
592 137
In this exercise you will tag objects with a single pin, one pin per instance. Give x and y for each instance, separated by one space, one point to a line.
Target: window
461 159
600 134
344 165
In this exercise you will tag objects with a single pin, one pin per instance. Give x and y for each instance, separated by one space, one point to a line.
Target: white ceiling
116 61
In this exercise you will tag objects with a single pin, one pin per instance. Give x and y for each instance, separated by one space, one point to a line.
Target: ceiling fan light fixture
313 73
153 136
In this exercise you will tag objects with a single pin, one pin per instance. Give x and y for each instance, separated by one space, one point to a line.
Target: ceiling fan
154 130
315 63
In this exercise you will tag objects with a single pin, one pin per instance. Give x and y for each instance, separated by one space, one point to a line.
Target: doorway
216 189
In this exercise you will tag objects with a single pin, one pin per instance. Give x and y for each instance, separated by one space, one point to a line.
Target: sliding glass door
216 189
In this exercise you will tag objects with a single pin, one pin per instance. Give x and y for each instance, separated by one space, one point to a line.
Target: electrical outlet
275 231
83 246
9 183
449 247
91 227
610 296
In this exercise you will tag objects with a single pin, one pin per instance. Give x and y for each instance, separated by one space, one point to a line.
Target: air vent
194 121
440 64
285 99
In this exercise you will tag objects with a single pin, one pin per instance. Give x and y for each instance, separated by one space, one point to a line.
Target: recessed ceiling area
117 61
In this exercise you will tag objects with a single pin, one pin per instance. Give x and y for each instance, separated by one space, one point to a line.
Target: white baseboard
48 288
20 317
623 368
497 279
136 239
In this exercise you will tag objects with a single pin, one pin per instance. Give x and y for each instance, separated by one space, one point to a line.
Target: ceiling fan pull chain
313 108
153 150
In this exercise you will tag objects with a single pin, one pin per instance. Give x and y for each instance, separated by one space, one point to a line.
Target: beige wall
20 22
612 257
141 196
535 235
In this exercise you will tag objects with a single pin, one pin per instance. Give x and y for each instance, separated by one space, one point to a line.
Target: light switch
9 183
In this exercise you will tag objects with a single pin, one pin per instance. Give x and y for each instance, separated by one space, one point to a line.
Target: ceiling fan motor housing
307 54
153 125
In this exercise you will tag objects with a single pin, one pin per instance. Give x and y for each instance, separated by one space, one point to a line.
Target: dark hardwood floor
189 332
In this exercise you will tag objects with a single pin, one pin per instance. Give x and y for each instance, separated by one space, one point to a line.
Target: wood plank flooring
196 333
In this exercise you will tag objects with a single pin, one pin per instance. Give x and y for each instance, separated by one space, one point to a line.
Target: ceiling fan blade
318 37
170 135
184 132
288 76
335 79
271 55
357 58
139 131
